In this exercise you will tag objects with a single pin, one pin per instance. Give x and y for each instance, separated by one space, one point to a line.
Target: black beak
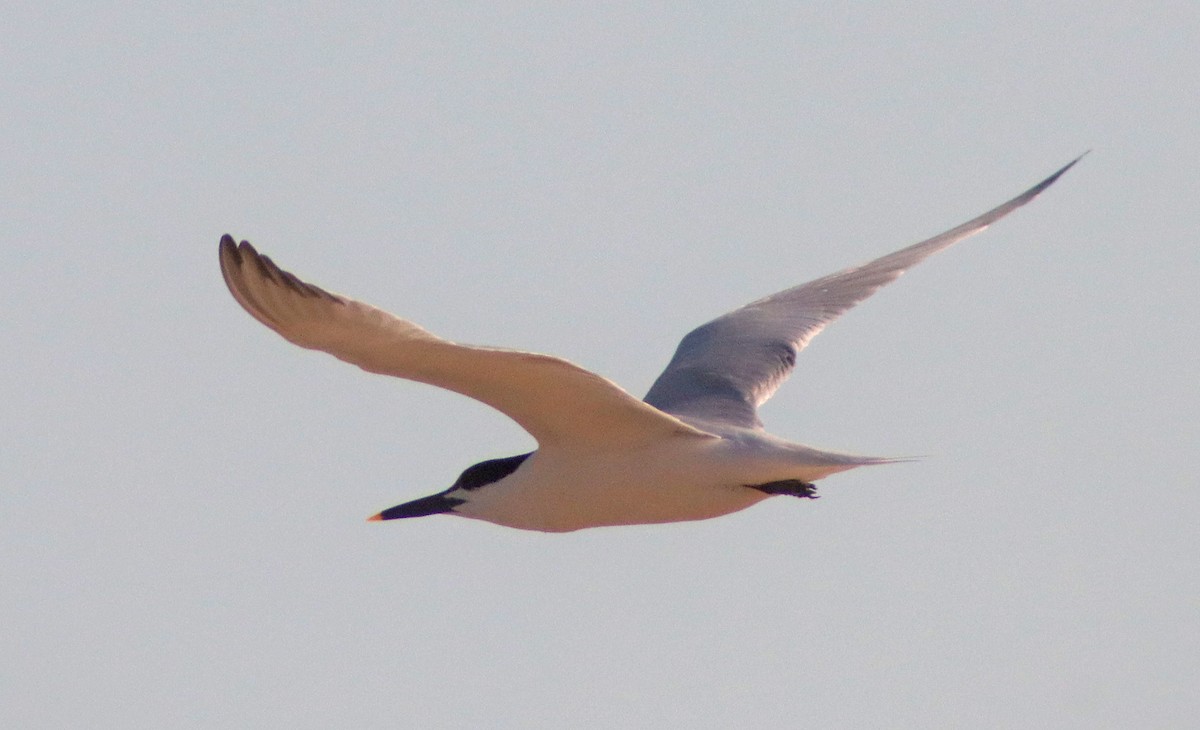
432 505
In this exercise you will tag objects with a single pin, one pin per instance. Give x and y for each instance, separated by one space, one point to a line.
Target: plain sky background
182 542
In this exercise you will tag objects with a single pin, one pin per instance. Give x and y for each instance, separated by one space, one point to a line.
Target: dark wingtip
1051 180
229 242
228 249
1037 190
1069 165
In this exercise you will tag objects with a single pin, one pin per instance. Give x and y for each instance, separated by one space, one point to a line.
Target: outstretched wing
557 402
723 370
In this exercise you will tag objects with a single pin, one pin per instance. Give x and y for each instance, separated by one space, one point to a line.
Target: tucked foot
790 487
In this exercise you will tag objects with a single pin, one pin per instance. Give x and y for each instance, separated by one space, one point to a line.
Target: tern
692 449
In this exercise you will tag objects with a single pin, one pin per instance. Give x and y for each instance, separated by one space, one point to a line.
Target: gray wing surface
723 370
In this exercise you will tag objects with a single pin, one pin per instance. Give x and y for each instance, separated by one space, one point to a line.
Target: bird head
477 476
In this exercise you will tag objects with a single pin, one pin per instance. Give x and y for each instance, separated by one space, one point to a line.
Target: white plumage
693 449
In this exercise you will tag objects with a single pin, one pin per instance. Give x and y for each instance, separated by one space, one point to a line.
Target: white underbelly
682 480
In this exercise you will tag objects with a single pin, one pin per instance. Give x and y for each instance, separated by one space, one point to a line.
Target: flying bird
692 449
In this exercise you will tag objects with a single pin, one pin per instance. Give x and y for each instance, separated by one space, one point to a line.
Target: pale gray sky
182 540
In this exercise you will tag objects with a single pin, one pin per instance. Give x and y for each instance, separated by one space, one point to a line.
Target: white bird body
692 450
682 477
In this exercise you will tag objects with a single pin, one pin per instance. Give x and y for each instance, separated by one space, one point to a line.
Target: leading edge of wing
723 370
557 402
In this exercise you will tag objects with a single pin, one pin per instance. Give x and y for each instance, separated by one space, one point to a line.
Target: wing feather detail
724 370
557 402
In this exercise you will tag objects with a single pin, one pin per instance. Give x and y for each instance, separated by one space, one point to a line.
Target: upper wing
557 402
723 370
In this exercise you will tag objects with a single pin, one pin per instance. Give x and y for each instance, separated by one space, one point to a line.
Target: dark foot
790 487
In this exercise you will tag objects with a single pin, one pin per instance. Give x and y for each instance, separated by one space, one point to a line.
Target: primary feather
724 370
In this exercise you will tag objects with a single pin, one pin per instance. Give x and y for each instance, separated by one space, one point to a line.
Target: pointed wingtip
996 214
228 249
1070 164
231 244
1037 189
